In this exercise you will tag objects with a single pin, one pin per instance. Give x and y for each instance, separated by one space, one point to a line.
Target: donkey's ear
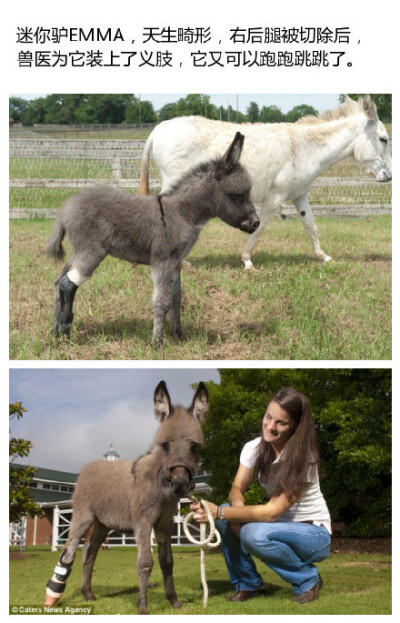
369 107
232 155
162 402
200 405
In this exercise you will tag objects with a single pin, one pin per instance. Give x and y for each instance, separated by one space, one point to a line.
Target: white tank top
310 507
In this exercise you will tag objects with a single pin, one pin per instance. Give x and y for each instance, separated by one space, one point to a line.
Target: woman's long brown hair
291 473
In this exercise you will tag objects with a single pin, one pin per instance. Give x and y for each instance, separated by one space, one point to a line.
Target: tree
300 111
140 112
253 112
167 112
34 112
352 411
99 108
196 104
271 114
17 107
383 105
20 478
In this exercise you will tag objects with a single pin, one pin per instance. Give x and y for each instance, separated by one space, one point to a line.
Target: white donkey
282 159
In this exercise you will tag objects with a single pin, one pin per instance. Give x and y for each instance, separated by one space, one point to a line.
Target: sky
321 102
73 415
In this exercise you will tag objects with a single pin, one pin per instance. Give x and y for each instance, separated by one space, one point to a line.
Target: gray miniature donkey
137 495
147 229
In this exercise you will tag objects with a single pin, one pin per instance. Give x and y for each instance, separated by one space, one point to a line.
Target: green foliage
253 112
140 112
98 108
300 111
271 114
81 109
17 107
20 478
352 411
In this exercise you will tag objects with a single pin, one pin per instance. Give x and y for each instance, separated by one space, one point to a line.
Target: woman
292 530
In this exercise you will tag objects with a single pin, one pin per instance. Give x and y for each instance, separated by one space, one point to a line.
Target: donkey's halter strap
175 465
205 541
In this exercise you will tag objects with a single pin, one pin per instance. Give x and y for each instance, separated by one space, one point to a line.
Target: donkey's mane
199 170
348 109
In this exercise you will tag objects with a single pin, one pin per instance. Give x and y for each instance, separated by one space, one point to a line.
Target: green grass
59 168
353 584
294 308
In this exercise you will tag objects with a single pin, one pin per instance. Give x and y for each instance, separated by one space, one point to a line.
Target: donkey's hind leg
304 209
175 309
58 302
90 552
56 585
78 270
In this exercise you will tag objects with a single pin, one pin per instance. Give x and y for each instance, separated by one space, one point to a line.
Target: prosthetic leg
56 585
65 315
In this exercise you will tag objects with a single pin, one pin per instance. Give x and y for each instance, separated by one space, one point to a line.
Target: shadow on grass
263 258
232 260
224 588
142 331
111 329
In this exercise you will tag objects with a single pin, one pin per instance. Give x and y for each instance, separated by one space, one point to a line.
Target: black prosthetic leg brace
56 585
65 316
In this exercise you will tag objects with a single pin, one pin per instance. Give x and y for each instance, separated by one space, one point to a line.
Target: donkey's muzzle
249 225
180 478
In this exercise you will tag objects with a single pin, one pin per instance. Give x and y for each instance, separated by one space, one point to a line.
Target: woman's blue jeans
289 548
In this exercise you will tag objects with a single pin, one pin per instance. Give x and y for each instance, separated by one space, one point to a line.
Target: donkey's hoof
88 595
157 342
250 269
177 605
63 330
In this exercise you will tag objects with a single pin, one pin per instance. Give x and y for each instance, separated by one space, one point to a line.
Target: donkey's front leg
267 211
304 209
166 564
144 562
162 275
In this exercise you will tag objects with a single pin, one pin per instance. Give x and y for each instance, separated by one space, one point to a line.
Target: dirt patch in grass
349 545
18 556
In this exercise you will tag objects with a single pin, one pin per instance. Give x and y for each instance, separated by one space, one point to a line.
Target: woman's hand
200 513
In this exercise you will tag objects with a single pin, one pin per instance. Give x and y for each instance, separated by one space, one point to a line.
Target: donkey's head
371 148
233 203
179 437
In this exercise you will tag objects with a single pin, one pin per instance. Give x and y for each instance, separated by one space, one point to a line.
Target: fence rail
46 171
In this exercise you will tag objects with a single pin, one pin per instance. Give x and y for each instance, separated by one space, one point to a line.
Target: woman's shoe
245 595
305 598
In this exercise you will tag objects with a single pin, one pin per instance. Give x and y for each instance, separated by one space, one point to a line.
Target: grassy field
353 584
294 308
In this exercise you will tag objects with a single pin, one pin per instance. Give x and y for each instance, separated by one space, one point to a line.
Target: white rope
205 541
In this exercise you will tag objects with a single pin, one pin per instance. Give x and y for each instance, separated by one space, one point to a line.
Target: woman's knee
252 536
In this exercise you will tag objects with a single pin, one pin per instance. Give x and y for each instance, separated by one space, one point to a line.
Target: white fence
44 172
62 519
17 533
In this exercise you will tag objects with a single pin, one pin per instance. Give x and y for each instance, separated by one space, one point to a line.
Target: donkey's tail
144 188
54 246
